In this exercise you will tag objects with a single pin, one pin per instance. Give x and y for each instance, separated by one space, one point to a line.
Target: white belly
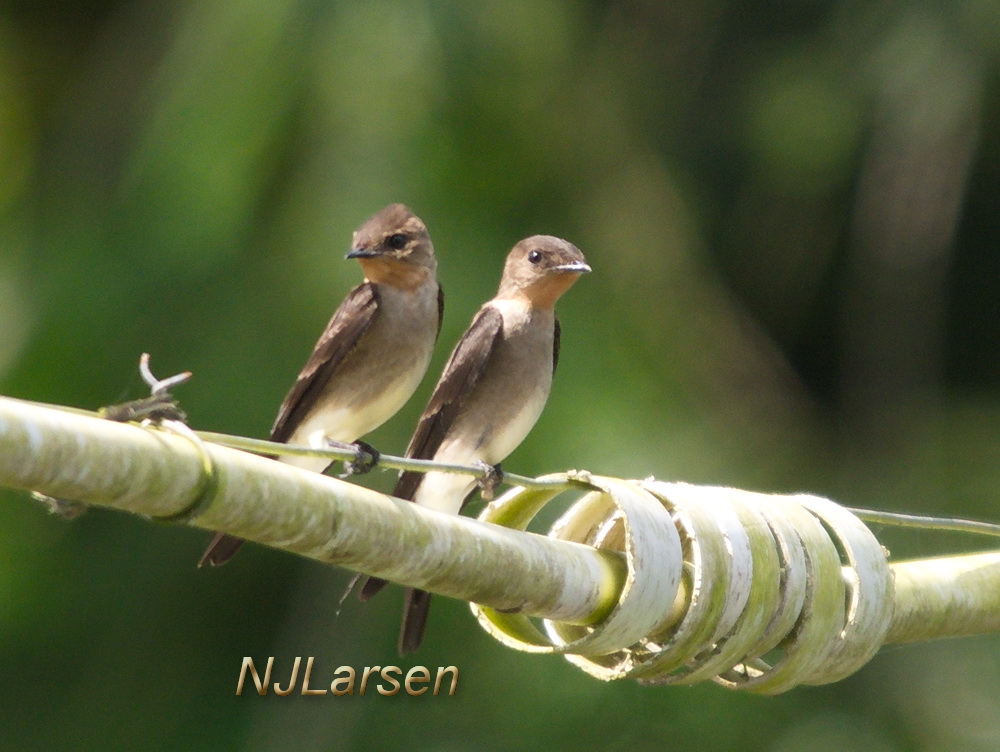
347 423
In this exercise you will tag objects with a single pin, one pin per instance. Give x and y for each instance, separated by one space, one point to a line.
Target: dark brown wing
465 366
350 321
467 362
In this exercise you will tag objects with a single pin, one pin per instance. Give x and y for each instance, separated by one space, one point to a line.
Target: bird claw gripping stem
490 480
366 460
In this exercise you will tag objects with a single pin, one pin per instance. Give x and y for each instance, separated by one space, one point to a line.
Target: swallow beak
360 253
577 267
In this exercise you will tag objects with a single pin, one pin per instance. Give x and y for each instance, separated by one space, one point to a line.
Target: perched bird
372 354
492 391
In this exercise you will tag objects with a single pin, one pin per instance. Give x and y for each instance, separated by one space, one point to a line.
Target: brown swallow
492 390
372 354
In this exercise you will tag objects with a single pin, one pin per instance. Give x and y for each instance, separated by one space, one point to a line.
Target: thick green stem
161 474
171 476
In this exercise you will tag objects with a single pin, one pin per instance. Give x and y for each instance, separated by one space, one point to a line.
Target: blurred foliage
791 212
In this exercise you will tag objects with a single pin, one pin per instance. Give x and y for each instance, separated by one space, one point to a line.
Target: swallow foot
490 480
365 461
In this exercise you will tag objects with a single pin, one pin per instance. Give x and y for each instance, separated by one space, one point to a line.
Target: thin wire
260 446
926 522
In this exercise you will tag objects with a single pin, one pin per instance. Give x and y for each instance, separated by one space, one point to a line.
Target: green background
791 209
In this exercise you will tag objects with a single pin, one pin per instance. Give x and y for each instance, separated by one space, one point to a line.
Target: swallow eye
534 257
397 241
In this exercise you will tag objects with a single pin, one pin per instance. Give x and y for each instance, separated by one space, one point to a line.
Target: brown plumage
373 352
491 392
